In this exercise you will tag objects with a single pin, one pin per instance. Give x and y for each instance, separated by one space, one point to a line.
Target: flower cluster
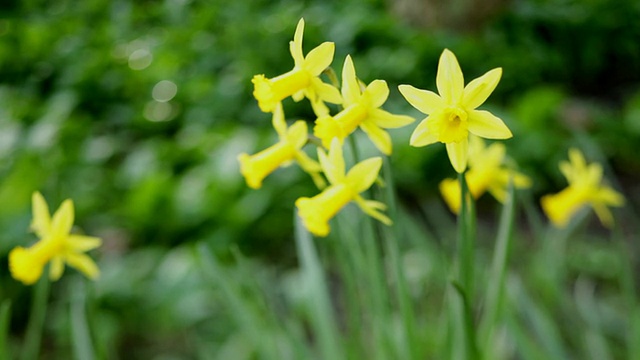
453 118
56 245
360 108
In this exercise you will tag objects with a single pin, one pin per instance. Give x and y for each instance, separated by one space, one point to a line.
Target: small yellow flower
452 115
303 80
361 109
56 245
318 210
487 172
256 167
584 189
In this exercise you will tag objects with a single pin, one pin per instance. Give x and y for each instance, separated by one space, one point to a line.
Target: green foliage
154 177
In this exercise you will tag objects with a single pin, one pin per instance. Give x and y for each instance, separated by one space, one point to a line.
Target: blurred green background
137 110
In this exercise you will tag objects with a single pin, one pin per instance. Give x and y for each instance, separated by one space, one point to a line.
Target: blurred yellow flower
256 167
56 245
487 172
452 115
584 189
302 80
316 212
361 109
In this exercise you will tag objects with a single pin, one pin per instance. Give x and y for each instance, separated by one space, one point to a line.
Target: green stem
463 299
82 345
496 280
391 241
31 347
321 312
5 316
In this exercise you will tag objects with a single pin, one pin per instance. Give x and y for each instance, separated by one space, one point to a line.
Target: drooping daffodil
585 189
452 114
361 109
256 167
487 172
56 246
303 80
316 212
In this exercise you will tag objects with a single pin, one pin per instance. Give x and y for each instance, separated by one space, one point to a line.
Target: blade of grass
494 295
82 346
242 311
5 316
393 251
321 312
35 327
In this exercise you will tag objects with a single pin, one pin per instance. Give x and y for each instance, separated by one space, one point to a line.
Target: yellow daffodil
56 245
318 210
256 167
452 115
584 189
303 80
487 172
361 109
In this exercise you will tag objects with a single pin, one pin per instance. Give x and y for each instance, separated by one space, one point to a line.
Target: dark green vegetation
78 120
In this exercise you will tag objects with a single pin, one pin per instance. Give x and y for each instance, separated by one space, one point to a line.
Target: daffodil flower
56 245
256 167
452 115
303 80
584 189
316 212
487 172
361 109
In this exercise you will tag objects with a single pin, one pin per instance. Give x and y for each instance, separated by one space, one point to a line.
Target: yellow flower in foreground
361 109
487 172
318 210
256 167
452 115
56 245
302 80
584 189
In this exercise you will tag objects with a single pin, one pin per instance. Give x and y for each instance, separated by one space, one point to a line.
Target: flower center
351 117
452 125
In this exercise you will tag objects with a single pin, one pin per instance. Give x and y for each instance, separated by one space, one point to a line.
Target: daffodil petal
450 190
422 135
371 208
41 223
350 87
326 91
386 120
333 163
319 58
56 268
379 137
604 214
425 101
377 92
297 134
84 264
63 219
278 122
449 79
458 154
295 46
487 125
83 243
363 174
478 90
